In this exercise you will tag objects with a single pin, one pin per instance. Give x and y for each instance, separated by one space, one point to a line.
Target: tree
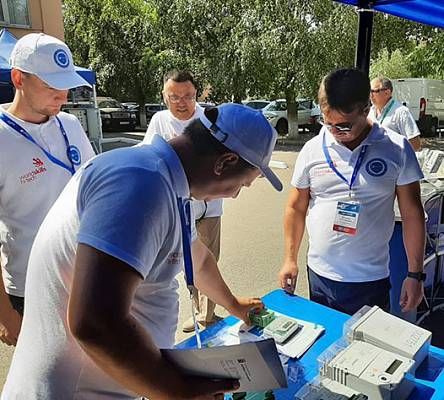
116 38
393 65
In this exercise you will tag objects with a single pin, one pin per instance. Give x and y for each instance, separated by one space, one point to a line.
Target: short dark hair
344 90
179 76
204 143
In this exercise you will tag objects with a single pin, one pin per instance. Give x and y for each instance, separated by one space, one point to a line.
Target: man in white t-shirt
347 178
40 149
101 291
391 114
179 94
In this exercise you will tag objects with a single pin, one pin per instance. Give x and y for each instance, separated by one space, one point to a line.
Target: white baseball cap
48 58
248 133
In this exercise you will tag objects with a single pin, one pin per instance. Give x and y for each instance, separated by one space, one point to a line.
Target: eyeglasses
378 90
345 127
176 99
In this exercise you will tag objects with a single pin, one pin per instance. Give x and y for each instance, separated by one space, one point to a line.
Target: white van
425 100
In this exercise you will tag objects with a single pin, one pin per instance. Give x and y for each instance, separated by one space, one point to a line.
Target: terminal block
261 318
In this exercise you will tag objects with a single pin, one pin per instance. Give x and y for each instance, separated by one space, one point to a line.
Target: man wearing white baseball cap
40 149
101 291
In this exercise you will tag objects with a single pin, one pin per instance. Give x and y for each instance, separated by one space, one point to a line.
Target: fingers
225 385
288 284
7 339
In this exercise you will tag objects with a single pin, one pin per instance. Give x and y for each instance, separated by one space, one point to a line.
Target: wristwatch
419 276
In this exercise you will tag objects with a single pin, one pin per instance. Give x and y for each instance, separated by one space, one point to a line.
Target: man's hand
242 305
288 276
412 293
10 324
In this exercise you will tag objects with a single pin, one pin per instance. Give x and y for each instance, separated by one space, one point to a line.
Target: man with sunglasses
347 179
179 93
391 114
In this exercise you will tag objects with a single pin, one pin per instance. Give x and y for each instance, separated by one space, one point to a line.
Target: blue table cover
429 377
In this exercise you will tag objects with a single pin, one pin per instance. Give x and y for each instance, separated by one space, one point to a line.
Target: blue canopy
429 12
7 43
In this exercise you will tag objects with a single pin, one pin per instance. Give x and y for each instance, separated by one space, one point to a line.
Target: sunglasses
345 127
378 90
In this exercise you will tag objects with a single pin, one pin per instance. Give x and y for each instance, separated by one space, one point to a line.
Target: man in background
179 94
392 114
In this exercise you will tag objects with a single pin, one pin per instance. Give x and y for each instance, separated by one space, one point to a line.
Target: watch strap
419 276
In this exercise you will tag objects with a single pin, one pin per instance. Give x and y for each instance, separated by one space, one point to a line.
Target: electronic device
433 165
370 370
261 318
328 390
281 329
377 327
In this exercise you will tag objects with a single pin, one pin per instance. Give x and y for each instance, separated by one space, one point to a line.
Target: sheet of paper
294 347
255 364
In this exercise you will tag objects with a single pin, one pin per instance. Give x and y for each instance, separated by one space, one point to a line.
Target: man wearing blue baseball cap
40 149
101 291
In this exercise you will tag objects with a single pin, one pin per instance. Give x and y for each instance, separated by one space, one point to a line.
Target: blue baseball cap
246 132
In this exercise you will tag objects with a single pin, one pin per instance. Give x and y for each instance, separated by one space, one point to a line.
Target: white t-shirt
396 117
165 124
29 184
388 162
102 206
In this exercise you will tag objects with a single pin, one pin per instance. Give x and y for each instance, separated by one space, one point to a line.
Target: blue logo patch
74 155
61 58
376 167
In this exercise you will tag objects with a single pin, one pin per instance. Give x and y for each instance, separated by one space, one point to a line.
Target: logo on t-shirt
174 258
37 162
376 167
35 173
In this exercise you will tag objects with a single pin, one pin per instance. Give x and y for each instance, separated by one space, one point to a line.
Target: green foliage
392 66
239 48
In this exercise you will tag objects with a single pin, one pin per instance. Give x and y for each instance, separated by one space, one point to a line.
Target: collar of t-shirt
28 126
178 177
376 134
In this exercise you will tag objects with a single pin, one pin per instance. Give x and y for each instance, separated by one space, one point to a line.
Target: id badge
346 218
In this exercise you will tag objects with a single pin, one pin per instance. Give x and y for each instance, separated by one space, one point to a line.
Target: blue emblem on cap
74 155
376 167
61 58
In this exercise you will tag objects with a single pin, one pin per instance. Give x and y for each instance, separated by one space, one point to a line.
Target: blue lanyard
185 221
27 136
358 164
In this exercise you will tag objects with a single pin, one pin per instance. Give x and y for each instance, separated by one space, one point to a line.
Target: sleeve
153 128
125 213
407 125
301 178
410 170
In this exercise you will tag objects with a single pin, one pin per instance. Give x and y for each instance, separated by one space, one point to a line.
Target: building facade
21 17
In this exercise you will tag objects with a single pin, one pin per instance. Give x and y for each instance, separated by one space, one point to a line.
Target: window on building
14 12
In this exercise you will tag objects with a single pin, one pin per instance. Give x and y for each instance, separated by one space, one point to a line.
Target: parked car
114 116
256 104
129 105
206 105
150 110
308 115
425 100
